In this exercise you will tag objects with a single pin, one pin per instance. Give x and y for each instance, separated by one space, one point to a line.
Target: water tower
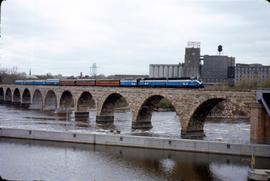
220 50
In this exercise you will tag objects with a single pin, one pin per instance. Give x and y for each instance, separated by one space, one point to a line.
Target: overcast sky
125 36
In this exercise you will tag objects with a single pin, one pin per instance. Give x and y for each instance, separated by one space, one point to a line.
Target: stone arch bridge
191 105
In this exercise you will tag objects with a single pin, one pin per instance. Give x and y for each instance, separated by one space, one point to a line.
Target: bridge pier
259 124
63 110
193 127
36 107
104 119
192 134
81 114
16 103
49 108
25 105
8 102
141 125
143 119
2 99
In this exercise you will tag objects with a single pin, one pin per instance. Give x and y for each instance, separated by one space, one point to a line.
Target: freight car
85 82
67 82
107 82
77 82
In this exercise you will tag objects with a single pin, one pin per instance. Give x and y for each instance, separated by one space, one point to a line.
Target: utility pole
0 14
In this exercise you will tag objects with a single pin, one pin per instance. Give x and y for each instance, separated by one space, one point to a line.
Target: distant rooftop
193 44
251 65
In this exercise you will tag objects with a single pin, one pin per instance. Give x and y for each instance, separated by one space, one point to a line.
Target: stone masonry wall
185 101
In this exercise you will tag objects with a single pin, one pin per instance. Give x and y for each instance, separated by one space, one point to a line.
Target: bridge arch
2 94
110 105
50 101
197 119
8 95
86 102
151 103
26 96
16 96
67 101
200 111
37 101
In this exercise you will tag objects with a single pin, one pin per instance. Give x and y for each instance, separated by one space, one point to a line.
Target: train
145 82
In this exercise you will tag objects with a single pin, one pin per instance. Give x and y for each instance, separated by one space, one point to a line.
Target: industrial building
126 76
192 60
165 70
251 72
218 69
191 67
211 69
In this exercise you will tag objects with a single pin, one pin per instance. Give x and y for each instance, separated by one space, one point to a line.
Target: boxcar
85 82
107 83
67 82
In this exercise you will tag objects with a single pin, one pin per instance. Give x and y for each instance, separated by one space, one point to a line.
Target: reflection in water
221 171
167 165
165 124
65 161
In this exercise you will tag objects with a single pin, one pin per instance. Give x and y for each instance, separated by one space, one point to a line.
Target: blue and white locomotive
163 82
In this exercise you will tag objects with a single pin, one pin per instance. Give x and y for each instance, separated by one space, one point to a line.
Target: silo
151 70
175 71
170 71
160 71
156 71
180 71
166 71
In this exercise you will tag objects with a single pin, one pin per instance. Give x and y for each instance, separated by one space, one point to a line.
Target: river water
165 124
41 160
36 160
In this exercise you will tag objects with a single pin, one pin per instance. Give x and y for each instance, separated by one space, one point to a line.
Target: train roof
164 78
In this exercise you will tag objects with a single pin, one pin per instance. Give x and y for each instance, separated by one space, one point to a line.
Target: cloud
125 36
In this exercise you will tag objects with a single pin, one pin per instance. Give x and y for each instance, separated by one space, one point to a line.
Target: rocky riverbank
228 110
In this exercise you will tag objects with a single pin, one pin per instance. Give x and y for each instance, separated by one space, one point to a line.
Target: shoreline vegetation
243 85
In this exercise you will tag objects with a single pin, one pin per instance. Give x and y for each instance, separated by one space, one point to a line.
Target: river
165 124
42 160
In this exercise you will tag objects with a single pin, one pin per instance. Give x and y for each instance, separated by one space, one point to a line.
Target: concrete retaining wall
140 141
